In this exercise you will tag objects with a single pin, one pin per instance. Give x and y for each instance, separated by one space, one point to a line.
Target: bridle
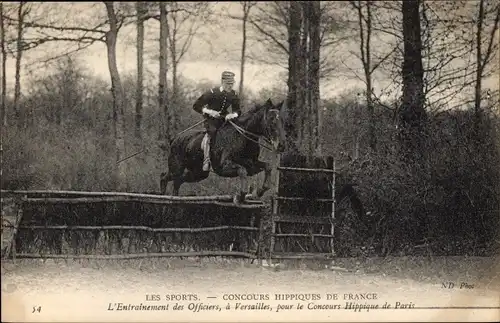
267 132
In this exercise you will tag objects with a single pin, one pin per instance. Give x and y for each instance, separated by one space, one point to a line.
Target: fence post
332 231
275 210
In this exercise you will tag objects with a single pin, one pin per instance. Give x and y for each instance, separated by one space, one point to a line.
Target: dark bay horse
234 150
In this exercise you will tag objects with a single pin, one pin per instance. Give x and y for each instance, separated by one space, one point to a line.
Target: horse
234 150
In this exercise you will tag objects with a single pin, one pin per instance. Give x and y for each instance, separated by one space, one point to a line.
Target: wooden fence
278 217
23 214
85 216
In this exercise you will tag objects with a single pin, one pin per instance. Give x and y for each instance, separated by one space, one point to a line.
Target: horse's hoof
239 198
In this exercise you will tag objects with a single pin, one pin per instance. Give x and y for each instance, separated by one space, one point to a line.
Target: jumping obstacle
303 209
83 221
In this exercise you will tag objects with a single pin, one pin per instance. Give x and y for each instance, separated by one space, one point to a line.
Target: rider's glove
210 112
231 116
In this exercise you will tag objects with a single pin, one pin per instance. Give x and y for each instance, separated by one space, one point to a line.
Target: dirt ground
99 290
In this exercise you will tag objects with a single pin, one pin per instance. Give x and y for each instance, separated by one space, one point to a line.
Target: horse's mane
245 116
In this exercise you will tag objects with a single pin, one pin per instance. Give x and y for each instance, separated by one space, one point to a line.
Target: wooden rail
303 235
142 228
83 200
82 197
141 255
120 196
294 198
307 170
303 219
300 255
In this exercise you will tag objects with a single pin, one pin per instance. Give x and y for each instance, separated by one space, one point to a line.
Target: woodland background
419 135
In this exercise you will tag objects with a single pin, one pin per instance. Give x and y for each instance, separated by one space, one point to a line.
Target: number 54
36 309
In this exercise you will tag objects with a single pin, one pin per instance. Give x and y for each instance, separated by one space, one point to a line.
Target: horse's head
265 120
273 125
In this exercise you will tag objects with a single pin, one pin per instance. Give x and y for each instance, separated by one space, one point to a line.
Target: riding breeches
211 125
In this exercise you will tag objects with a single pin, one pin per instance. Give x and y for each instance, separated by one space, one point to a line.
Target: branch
96 29
383 59
270 36
492 37
157 16
84 40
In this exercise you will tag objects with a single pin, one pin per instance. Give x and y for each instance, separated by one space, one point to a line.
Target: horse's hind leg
177 184
164 179
242 174
175 172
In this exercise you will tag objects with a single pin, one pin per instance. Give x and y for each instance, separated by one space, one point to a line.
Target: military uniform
214 105
218 100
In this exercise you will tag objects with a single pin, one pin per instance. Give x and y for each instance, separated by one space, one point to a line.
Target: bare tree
412 115
314 75
291 123
247 6
447 42
303 77
3 118
483 59
22 12
366 31
184 22
268 29
140 11
162 86
118 93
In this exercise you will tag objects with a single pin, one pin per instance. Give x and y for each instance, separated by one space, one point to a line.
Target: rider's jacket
219 100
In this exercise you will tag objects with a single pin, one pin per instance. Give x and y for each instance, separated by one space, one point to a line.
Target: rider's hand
231 116
212 113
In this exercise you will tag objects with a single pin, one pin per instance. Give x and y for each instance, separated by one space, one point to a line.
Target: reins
241 130
244 133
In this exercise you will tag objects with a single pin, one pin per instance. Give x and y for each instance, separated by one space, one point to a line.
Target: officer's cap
228 77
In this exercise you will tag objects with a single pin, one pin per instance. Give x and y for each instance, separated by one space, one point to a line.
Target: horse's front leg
266 184
231 169
242 174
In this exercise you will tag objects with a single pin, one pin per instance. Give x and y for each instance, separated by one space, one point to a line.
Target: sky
203 61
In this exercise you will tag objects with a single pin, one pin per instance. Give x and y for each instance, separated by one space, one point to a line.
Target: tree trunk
118 96
246 12
3 119
368 76
314 62
291 123
365 56
19 55
479 70
412 116
162 86
175 61
140 68
303 98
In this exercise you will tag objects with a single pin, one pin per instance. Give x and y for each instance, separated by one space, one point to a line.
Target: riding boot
206 153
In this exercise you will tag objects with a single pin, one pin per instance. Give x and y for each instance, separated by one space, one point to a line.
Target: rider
214 105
